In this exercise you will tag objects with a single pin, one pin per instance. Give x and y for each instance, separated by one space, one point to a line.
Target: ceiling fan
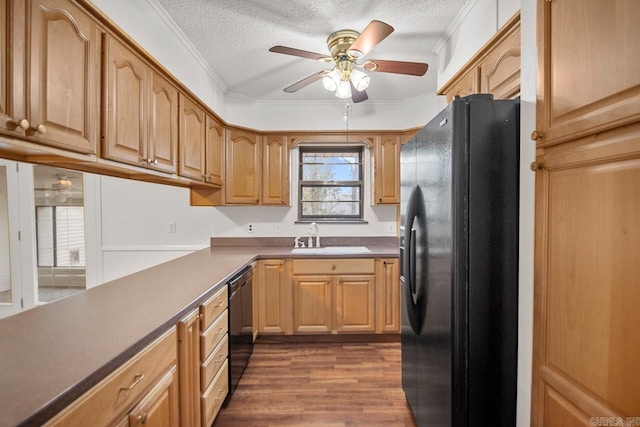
347 47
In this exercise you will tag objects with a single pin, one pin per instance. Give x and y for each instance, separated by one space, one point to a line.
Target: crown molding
457 21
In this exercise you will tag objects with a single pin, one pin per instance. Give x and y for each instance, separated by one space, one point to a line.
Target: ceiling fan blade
397 67
305 82
301 53
373 34
358 96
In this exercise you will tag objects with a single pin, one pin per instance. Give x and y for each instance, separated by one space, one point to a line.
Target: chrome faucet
314 232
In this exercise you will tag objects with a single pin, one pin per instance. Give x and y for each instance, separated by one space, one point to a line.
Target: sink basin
332 250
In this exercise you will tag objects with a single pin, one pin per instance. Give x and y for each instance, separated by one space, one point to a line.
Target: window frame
355 149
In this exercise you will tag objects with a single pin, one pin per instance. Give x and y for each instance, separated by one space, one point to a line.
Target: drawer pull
136 381
220 304
142 419
333 267
220 330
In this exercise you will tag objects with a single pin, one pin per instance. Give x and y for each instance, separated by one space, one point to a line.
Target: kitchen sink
332 250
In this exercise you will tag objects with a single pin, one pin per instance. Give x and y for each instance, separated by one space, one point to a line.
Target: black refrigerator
459 264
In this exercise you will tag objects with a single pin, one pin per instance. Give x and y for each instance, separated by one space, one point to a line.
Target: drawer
334 266
214 396
211 308
210 367
210 338
116 395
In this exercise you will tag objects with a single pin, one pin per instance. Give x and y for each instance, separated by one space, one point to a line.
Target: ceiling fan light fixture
331 80
344 89
354 53
360 80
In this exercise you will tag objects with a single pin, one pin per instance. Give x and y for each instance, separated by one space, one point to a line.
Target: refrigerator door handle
412 267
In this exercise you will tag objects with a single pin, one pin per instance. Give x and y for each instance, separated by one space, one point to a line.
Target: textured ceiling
233 37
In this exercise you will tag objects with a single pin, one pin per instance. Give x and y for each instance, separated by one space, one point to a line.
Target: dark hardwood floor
320 384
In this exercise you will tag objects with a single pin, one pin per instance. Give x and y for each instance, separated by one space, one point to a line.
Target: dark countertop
50 355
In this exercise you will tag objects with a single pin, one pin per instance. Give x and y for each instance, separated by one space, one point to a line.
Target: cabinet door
163 125
468 84
500 70
192 136
159 408
355 303
64 88
189 369
12 61
590 64
244 168
388 295
126 84
587 246
214 152
387 170
275 173
274 298
312 308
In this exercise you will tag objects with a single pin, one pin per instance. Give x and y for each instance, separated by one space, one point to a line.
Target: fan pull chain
347 110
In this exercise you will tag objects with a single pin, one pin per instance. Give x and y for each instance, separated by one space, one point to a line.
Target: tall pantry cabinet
587 233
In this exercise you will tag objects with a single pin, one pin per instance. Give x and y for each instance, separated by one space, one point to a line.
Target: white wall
233 221
473 27
154 32
133 222
528 88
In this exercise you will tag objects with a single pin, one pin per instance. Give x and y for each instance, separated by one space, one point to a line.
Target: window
330 183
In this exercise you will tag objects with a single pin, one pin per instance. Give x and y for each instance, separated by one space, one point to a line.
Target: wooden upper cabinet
163 124
244 168
192 139
467 84
386 188
494 69
126 91
499 71
593 87
55 100
141 118
215 152
12 62
275 170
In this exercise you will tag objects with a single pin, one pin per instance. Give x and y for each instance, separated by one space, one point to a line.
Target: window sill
332 221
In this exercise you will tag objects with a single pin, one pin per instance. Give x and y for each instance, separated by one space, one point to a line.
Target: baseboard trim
327 338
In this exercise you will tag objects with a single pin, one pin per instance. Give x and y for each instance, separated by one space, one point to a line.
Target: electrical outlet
171 227
250 228
277 228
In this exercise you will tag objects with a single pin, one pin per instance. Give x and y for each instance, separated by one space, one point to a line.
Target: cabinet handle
220 304
380 200
40 129
151 161
136 381
22 123
535 166
333 267
535 135
142 419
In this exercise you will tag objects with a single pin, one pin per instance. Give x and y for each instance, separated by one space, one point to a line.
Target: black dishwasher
240 325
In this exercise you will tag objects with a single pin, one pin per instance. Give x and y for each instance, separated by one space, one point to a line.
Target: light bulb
344 89
360 80
331 80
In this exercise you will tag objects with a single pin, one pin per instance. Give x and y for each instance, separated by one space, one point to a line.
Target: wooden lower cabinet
159 408
143 388
214 352
189 363
274 297
328 296
388 295
333 295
